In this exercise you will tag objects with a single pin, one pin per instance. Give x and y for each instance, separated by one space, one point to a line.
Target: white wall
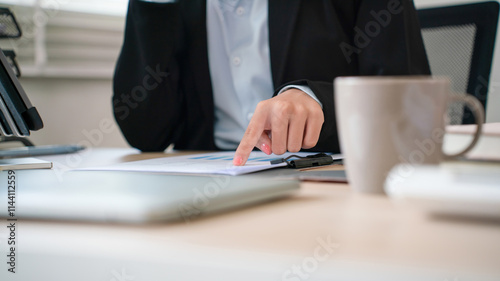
74 109
67 60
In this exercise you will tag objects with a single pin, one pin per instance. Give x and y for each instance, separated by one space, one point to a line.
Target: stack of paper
210 163
488 147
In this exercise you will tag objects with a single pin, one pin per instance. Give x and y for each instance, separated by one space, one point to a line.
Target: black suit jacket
162 87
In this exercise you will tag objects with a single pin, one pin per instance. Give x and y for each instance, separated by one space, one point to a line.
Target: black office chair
459 41
10 29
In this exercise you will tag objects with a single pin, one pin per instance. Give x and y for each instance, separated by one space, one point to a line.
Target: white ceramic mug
386 120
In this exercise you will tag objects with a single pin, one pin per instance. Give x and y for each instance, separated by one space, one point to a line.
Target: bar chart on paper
208 163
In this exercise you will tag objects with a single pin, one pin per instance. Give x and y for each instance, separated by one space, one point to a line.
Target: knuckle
300 110
284 106
309 142
261 105
280 115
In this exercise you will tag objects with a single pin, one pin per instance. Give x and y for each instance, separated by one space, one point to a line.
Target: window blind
67 38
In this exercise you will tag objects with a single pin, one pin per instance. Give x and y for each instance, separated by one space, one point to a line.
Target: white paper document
209 163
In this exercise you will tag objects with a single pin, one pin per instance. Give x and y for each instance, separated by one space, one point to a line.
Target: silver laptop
135 197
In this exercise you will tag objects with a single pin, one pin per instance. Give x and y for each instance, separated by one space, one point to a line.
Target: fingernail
265 148
237 161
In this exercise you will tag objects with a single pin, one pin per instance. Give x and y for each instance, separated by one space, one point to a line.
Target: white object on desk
23 164
487 147
462 188
210 163
137 197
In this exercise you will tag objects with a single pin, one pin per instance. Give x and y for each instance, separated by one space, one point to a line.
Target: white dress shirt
240 65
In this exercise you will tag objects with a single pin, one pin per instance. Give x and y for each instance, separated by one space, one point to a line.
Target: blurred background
67 56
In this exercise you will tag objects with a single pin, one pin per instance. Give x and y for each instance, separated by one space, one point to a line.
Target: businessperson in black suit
163 91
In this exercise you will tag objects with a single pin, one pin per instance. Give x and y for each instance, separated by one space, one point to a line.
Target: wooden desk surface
366 227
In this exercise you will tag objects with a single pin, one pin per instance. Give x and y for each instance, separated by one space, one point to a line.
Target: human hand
290 121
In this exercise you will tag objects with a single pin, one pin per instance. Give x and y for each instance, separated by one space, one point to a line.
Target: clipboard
300 162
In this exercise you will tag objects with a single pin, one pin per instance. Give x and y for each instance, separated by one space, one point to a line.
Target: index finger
250 139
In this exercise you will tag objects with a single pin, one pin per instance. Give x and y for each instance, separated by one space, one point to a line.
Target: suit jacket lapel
282 16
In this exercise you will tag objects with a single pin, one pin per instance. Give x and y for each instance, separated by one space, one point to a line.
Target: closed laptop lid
136 197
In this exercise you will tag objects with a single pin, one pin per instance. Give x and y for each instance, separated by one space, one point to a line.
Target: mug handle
477 109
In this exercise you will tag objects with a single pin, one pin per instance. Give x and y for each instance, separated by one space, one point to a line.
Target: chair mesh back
450 50
460 40
8 25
